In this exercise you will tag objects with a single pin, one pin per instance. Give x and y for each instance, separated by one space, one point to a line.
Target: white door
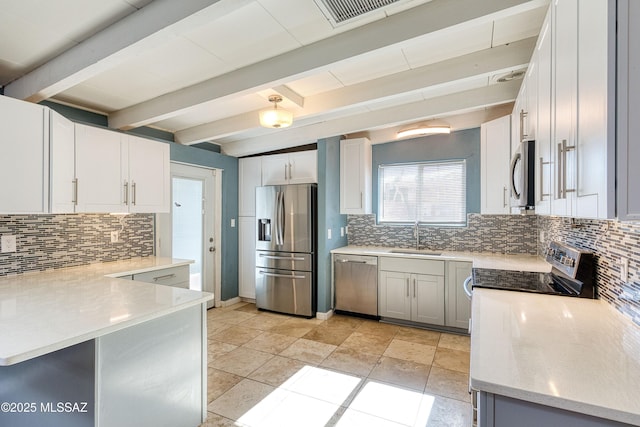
192 229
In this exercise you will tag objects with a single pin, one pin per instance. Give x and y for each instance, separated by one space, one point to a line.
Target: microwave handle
514 161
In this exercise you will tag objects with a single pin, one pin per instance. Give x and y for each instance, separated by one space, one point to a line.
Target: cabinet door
247 257
531 120
24 157
63 173
457 303
544 165
427 302
355 176
628 125
100 170
249 177
595 142
565 30
495 161
394 300
275 169
149 175
303 167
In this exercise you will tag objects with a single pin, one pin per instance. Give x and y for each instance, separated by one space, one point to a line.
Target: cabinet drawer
174 276
408 265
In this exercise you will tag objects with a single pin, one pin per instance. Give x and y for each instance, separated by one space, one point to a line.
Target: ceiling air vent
340 11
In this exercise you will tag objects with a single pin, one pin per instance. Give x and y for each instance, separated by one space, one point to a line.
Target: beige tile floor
271 370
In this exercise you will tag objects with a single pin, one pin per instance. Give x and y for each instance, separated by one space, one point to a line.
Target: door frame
163 230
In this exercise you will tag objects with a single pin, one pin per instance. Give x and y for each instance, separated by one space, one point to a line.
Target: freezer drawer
284 291
284 260
356 284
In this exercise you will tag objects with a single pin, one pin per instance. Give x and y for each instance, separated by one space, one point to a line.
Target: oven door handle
465 286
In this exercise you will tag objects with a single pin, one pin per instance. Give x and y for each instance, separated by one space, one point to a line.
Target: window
432 193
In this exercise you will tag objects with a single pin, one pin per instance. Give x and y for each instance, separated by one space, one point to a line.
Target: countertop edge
174 262
50 348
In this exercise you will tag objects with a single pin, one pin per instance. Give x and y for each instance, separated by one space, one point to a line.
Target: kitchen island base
152 373
495 410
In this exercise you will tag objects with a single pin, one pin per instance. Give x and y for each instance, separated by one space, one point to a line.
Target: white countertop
479 259
570 353
44 312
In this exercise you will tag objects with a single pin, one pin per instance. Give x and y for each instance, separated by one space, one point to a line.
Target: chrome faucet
416 234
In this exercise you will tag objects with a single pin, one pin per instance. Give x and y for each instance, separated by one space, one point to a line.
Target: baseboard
324 316
227 303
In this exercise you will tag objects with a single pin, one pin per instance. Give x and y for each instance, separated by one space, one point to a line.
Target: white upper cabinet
24 157
495 139
249 177
543 173
113 173
628 110
570 93
64 186
355 176
292 168
101 170
149 175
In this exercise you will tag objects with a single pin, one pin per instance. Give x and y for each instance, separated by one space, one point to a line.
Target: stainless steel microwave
522 176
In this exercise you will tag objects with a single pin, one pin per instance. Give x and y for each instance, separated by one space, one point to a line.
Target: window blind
433 192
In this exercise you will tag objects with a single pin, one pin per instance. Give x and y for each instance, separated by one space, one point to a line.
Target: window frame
380 176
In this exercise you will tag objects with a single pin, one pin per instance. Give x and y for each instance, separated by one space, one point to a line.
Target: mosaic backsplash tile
507 234
609 240
46 242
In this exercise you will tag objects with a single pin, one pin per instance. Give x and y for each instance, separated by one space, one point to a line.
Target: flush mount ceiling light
275 117
424 130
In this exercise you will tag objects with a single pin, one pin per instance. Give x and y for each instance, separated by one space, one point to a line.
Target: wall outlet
624 269
328 234
8 244
115 237
341 231
233 222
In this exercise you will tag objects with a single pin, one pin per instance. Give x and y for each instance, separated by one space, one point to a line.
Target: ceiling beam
483 63
135 33
430 17
422 110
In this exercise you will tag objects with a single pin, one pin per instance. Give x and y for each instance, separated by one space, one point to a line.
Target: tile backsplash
46 242
609 240
507 234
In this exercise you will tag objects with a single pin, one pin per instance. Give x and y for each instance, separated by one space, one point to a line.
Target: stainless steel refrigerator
286 248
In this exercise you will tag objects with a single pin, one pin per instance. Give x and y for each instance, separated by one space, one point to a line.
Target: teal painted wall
329 216
464 144
229 237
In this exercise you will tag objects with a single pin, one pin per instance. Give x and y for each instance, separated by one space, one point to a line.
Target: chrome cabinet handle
407 287
542 193
414 288
133 193
290 175
504 197
523 114
285 172
166 276
361 200
74 198
563 149
126 193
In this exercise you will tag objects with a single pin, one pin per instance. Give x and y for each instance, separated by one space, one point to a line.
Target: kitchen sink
414 252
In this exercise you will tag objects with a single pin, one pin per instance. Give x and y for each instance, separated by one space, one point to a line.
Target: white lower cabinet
424 291
173 276
411 290
458 304
247 257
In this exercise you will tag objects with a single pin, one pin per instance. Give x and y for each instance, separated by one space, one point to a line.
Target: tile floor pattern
267 369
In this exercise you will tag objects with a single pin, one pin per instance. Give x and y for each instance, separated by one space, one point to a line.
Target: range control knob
569 261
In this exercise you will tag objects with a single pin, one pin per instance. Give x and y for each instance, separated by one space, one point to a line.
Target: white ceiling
202 69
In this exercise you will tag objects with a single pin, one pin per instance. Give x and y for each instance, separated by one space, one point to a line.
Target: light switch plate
7 244
341 231
233 222
328 234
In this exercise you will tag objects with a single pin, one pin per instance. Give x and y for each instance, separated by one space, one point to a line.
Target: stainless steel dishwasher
356 284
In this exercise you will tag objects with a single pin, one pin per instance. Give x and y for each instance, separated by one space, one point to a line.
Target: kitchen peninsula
80 348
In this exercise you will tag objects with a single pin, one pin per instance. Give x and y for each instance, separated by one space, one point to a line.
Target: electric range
572 274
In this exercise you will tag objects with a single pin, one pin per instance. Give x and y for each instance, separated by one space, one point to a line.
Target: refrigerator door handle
277 221
286 276
280 210
287 258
